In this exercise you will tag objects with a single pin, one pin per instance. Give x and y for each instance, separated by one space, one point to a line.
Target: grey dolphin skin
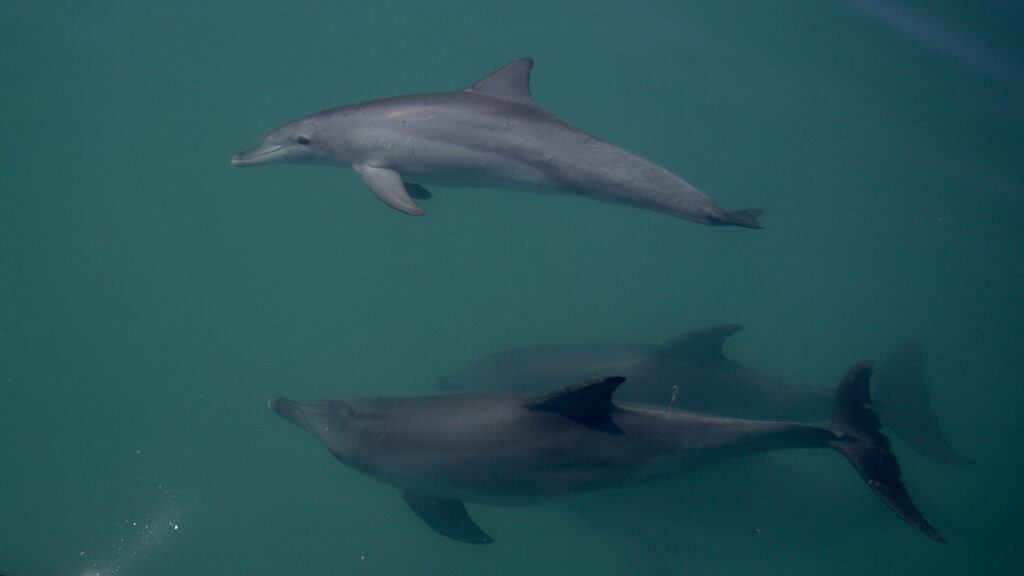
693 372
441 451
491 134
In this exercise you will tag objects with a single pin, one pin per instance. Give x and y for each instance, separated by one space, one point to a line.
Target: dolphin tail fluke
902 402
857 437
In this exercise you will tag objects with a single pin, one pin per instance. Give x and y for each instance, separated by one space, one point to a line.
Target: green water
152 297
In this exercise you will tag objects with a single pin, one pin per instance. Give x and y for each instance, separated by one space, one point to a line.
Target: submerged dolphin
692 372
440 451
491 134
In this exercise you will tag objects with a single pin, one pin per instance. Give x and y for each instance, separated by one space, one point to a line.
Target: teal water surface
153 298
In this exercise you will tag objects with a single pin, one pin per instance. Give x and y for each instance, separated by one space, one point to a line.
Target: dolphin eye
302 140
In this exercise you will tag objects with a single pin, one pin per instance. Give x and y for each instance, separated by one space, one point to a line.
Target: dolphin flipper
418 192
857 437
902 401
446 517
388 186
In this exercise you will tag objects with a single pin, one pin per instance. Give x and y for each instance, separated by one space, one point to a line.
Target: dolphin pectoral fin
418 192
387 185
902 402
446 517
857 437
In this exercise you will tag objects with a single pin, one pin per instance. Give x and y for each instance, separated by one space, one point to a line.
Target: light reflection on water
140 536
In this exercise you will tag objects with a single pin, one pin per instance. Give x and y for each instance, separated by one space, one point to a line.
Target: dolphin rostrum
491 134
440 451
692 372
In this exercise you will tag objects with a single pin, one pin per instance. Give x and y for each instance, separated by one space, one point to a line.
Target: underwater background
153 298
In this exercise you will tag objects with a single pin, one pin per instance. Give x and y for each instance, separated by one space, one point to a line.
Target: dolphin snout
261 154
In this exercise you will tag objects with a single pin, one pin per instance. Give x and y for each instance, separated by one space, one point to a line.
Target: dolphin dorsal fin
703 344
588 403
510 82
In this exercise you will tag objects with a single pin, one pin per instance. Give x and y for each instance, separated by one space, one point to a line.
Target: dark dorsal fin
703 344
588 403
510 82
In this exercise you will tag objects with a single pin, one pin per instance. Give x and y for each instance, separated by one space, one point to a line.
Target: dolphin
490 134
441 451
693 372
690 371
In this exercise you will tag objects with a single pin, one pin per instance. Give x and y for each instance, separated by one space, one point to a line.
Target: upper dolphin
491 134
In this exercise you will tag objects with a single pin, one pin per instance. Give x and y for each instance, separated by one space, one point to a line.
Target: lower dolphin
693 372
440 451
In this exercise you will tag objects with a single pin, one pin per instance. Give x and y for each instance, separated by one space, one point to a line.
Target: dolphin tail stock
855 427
902 401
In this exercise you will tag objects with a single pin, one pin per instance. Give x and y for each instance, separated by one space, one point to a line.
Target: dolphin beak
291 410
261 154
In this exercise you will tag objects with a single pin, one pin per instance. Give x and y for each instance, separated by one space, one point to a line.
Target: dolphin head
297 142
326 420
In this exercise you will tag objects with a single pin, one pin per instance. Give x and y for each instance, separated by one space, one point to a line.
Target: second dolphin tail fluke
902 401
857 437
